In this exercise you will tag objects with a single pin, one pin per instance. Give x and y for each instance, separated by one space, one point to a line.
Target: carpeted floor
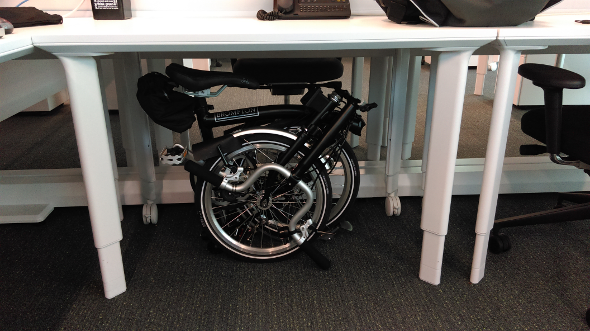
49 276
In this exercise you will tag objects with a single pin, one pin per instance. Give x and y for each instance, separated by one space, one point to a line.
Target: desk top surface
249 34
548 30
219 35
15 45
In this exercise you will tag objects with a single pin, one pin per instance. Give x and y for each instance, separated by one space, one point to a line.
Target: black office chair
561 129
281 73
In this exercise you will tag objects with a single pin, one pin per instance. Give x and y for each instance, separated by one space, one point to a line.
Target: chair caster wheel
393 206
499 243
150 213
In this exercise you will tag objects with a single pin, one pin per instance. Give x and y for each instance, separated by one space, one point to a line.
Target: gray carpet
50 278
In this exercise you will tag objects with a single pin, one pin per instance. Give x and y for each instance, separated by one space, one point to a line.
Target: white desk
79 41
550 34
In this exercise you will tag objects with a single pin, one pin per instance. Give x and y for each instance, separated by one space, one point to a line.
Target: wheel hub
264 204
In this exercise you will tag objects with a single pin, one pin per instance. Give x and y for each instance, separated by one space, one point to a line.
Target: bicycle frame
293 177
247 116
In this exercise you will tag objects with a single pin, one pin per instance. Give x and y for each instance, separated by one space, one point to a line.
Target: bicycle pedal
174 155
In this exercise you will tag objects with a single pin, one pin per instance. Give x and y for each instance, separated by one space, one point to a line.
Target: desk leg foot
111 268
373 152
479 257
150 213
431 260
393 205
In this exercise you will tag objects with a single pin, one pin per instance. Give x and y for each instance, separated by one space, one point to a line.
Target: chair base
500 243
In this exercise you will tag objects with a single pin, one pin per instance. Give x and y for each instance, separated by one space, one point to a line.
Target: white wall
566 6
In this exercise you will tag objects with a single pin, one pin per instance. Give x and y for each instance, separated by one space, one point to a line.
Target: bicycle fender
208 149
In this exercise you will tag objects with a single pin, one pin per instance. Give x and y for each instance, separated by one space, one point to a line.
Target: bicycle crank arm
216 180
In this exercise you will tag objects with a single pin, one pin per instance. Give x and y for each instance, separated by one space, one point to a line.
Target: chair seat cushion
549 76
575 130
295 70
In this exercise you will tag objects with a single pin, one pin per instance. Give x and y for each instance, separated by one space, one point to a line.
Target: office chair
281 73
561 129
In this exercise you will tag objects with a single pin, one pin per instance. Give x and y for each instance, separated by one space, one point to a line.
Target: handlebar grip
203 173
316 256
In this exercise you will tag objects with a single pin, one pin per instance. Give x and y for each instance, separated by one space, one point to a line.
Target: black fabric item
296 70
464 12
198 80
575 135
414 11
550 76
166 107
21 17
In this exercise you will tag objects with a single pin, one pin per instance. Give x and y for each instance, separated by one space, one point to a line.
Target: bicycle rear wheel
240 222
345 179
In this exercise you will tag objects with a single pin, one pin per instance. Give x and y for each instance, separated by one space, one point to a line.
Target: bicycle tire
242 234
348 168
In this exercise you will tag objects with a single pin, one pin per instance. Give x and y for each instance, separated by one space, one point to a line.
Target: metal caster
393 206
150 213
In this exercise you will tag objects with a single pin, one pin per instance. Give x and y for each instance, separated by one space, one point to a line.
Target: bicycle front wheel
240 222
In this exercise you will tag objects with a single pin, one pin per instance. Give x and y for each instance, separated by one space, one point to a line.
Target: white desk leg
387 100
356 90
127 72
110 135
164 137
506 81
449 96
428 120
377 92
185 139
124 118
482 70
397 119
411 105
97 168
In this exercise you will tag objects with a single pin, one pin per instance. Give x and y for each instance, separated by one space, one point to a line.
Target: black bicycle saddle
198 80
291 70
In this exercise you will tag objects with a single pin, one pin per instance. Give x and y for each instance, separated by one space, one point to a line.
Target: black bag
487 13
21 17
168 108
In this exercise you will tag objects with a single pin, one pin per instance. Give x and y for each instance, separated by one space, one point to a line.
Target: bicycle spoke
236 217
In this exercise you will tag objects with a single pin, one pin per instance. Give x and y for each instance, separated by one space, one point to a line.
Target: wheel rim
245 225
342 193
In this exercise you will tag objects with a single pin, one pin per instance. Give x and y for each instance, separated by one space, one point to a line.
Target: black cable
265 16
